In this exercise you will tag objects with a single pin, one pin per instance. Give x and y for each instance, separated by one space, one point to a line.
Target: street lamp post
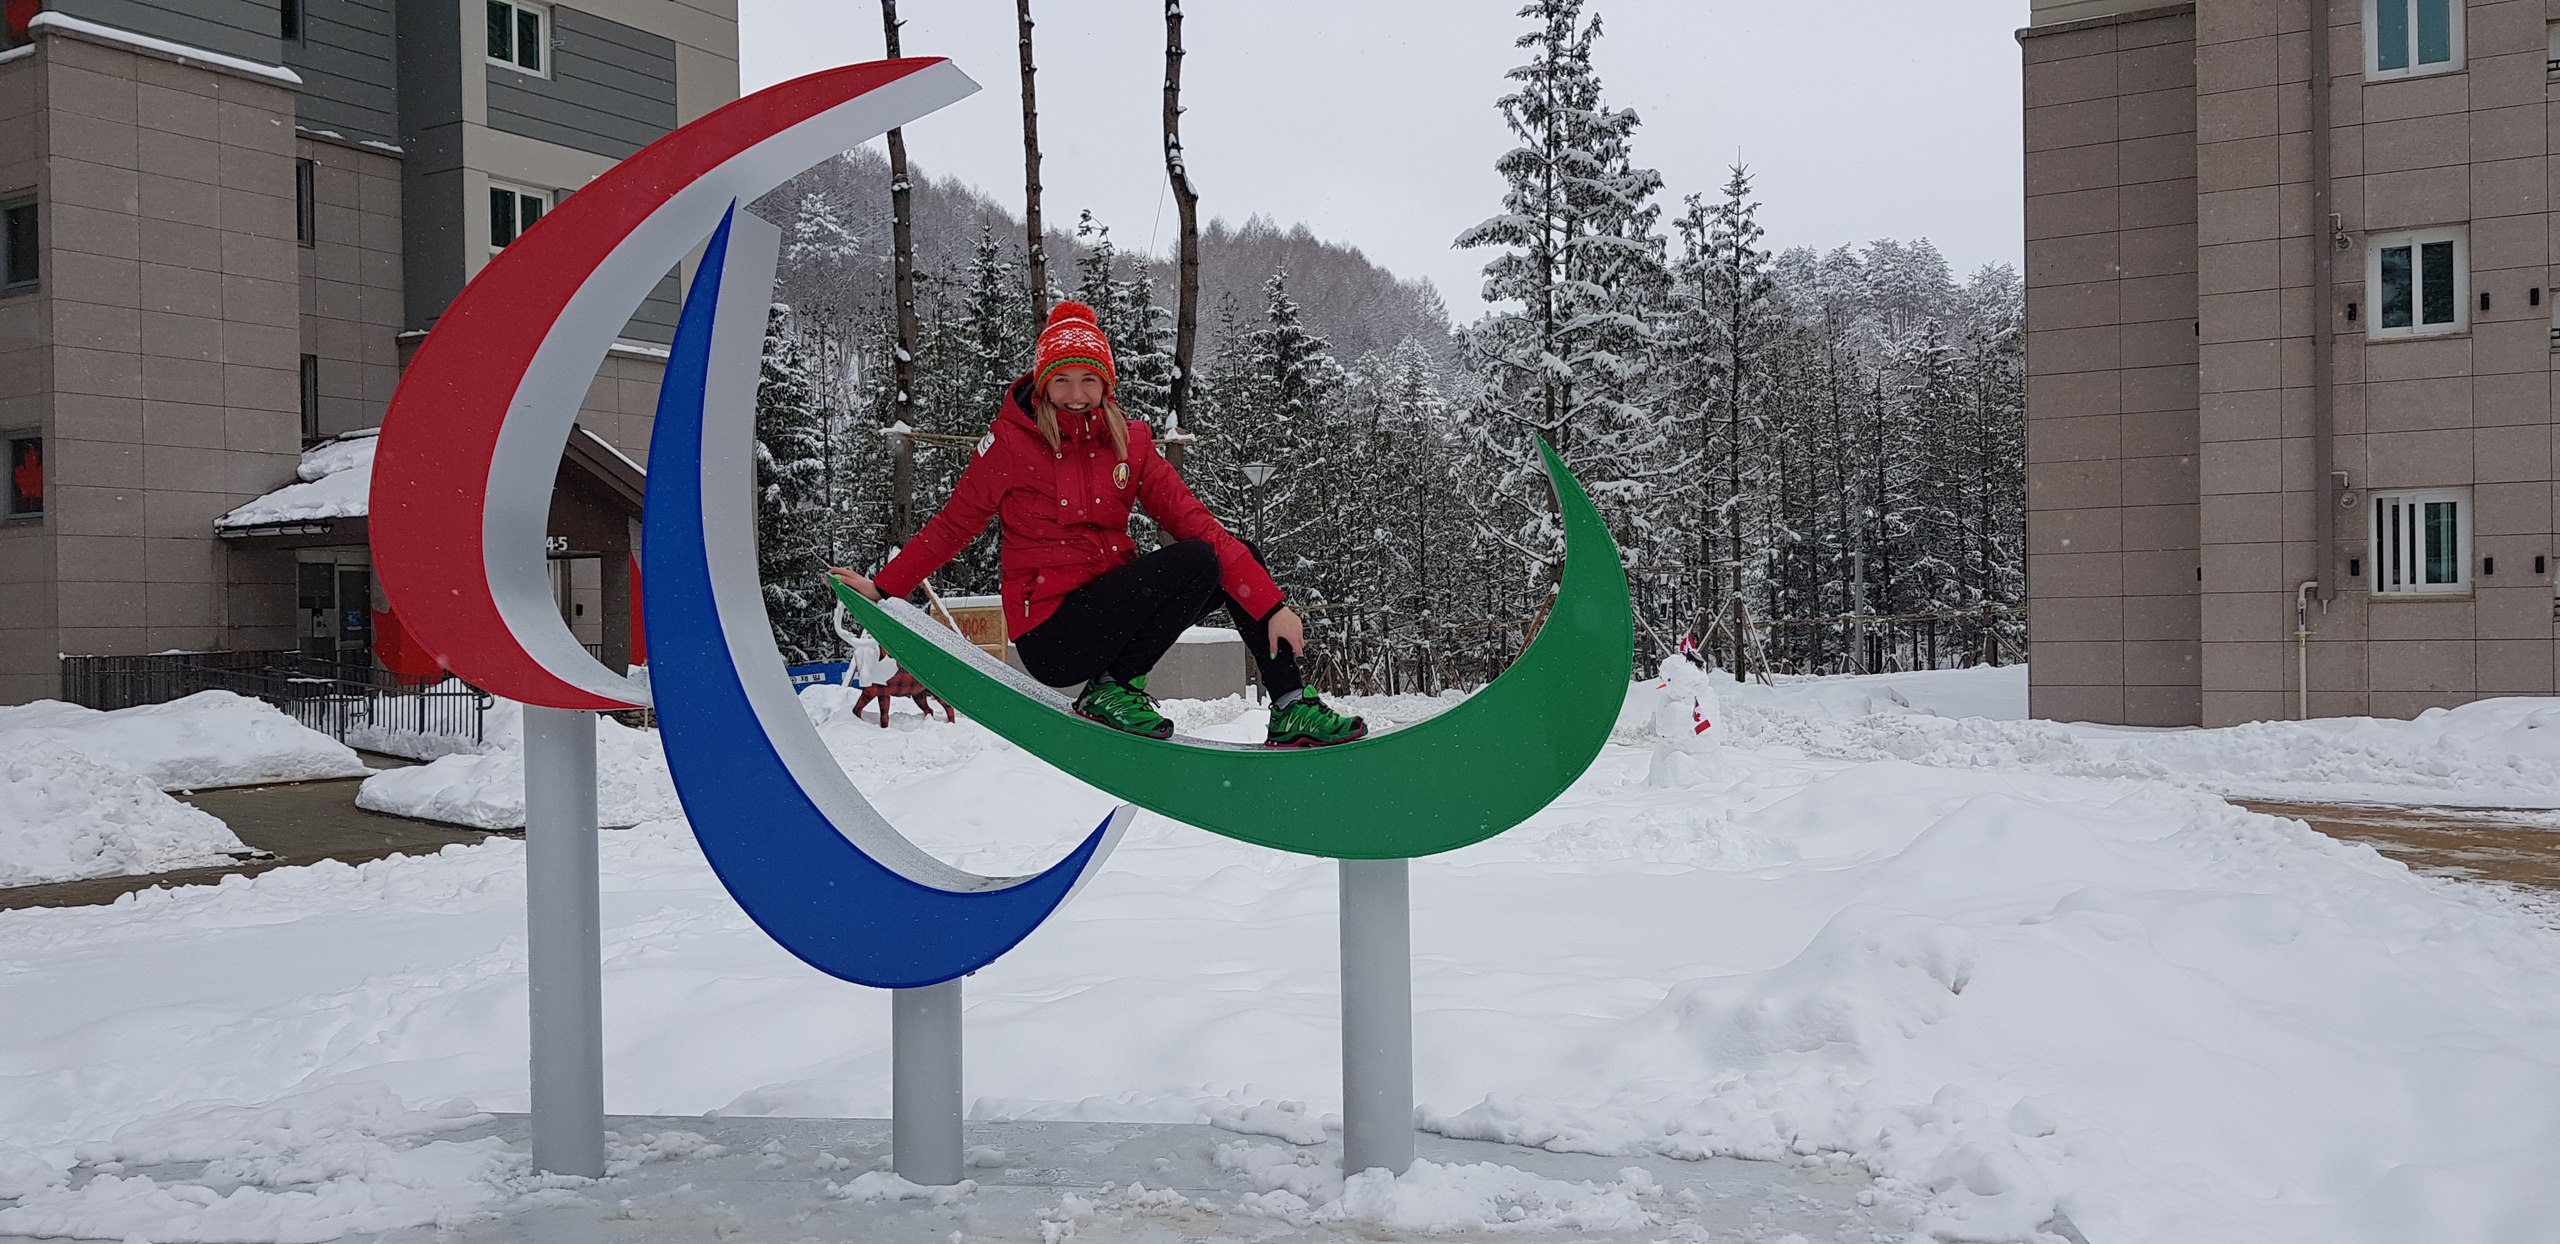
1258 474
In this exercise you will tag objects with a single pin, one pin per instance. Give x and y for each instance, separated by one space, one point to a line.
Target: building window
306 202
2422 542
18 250
517 36
26 476
2418 283
512 210
2404 38
310 399
290 27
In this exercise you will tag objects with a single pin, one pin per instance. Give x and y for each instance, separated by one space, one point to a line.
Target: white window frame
2414 240
2373 70
541 14
544 197
2401 553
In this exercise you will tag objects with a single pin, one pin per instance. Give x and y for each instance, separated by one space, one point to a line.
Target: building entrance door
333 599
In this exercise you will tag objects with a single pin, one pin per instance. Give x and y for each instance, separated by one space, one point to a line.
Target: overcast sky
1372 121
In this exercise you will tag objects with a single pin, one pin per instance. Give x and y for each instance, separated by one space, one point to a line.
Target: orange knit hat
1072 339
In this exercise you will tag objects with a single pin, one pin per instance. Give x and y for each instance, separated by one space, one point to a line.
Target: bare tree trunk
1733 458
1031 176
1186 320
902 370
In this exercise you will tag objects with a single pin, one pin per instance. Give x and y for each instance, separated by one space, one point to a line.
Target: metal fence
335 698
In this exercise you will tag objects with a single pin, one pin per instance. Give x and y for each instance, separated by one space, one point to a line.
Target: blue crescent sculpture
811 861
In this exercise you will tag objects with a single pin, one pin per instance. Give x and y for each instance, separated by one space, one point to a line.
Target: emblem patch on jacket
987 442
1120 475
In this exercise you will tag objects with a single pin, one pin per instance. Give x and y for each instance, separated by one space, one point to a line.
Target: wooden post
1186 320
1038 251
902 504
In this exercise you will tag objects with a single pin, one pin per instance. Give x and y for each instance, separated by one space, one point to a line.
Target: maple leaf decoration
27 478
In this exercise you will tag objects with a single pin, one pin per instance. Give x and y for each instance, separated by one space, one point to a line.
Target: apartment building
223 225
2292 325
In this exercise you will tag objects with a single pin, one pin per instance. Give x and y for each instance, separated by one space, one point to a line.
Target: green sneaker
1304 721
1125 707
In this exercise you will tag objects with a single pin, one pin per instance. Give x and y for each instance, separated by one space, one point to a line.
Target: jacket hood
1017 403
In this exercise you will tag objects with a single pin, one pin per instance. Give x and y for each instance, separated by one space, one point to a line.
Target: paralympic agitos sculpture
461 489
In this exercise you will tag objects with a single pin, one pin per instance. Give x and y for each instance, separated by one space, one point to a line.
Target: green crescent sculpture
1458 778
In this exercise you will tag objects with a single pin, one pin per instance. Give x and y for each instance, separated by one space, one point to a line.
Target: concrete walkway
2509 846
285 824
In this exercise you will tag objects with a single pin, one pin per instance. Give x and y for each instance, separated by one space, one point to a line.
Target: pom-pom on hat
1072 339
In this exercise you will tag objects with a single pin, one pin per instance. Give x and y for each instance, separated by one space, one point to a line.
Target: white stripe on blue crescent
807 857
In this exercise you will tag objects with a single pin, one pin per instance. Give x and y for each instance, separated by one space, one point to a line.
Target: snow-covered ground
64 816
211 738
2010 981
81 790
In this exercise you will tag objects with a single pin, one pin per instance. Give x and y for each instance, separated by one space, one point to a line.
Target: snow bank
2489 753
211 738
334 480
64 816
501 719
485 789
2017 997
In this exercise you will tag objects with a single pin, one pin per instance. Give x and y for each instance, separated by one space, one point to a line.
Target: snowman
1685 714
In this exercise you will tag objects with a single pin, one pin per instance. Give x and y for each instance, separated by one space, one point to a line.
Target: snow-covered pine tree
1137 327
1725 330
1224 396
1413 558
1298 385
854 372
1566 356
791 514
976 342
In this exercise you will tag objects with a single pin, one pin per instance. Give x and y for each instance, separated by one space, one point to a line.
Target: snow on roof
610 447
335 480
335 136
183 51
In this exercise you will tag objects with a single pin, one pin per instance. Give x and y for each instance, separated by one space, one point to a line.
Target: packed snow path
2010 998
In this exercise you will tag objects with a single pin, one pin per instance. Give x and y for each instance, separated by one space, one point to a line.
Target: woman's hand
1285 626
868 589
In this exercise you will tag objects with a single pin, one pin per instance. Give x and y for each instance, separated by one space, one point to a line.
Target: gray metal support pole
1377 1016
924 1083
564 941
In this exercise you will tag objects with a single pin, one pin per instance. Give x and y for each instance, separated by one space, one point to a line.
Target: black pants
1120 625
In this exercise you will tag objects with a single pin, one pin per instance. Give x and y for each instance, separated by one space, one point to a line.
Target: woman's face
1075 388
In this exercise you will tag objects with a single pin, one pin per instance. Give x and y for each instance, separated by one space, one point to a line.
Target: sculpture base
781 1180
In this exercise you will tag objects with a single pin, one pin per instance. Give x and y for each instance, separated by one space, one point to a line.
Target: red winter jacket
1065 515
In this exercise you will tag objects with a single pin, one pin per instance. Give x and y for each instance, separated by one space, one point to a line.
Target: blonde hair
1046 415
